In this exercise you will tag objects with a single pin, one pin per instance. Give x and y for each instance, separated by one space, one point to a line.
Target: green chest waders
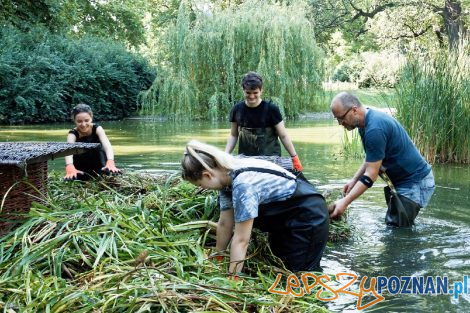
258 141
297 227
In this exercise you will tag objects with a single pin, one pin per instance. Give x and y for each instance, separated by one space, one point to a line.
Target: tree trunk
453 22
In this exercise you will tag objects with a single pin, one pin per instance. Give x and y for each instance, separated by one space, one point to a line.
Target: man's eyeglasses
342 117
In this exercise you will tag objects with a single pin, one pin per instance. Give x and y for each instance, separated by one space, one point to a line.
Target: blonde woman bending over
261 194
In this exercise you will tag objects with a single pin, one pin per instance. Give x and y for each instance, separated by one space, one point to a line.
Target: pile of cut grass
132 244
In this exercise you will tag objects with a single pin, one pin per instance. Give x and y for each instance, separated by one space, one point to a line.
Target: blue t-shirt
250 189
385 139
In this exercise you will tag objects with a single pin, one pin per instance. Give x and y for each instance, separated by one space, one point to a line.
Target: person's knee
426 194
427 187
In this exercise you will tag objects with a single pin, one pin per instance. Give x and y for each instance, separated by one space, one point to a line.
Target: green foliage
42 76
206 57
373 24
351 145
370 69
111 19
348 71
433 104
131 244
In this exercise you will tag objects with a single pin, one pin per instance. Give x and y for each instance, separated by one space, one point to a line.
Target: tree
113 19
402 20
206 57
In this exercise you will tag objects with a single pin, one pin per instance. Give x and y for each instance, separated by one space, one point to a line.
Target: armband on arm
366 180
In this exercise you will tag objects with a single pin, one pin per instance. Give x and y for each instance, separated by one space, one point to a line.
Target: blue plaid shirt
250 189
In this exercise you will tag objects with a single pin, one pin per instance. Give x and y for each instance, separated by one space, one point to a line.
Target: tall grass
207 54
433 104
351 145
131 244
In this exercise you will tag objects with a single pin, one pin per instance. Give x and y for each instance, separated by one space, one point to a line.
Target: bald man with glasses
391 154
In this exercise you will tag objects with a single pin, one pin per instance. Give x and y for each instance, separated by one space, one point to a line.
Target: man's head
252 81
252 84
348 110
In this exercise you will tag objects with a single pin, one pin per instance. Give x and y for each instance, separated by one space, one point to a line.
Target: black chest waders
402 211
258 141
297 227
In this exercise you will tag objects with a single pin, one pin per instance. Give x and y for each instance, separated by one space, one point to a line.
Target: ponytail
199 157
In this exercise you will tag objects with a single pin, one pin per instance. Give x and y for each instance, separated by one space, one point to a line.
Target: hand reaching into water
349 186
337 208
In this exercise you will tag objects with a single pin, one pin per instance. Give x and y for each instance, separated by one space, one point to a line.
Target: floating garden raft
23 174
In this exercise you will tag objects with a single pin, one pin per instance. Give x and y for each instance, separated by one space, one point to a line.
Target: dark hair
81 108
252 81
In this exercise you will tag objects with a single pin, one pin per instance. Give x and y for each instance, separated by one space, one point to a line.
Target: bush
43 75
370 69
348 71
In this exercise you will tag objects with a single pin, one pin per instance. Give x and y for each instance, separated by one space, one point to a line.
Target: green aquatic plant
351 144
132 244
433 104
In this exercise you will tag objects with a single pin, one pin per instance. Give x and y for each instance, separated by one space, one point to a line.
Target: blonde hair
199 157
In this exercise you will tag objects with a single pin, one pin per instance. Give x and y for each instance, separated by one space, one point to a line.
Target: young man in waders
391 154
257 124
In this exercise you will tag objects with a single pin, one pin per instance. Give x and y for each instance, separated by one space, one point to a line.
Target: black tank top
91 161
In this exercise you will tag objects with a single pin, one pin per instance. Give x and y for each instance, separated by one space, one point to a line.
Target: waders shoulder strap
261 170
387 180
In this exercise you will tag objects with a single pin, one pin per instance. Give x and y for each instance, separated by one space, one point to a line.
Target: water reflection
437 246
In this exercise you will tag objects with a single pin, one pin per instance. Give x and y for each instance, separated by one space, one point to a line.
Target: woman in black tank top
92 163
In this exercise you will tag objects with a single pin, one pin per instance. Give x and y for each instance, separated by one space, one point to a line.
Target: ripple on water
457 264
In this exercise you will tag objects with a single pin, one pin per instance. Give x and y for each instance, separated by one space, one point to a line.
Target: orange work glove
235 276
71 172
111 167
296 163
217 256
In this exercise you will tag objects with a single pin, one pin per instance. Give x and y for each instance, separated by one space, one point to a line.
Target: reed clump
205 55
433 104
131 244
351 145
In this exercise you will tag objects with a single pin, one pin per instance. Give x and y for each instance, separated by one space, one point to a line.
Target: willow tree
207 53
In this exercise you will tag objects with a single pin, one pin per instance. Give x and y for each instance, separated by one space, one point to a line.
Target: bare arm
70 139
232 138
224 229
240 241
371 169
108 149
348 187
284 137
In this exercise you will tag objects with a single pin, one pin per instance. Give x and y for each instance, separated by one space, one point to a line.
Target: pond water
438 245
